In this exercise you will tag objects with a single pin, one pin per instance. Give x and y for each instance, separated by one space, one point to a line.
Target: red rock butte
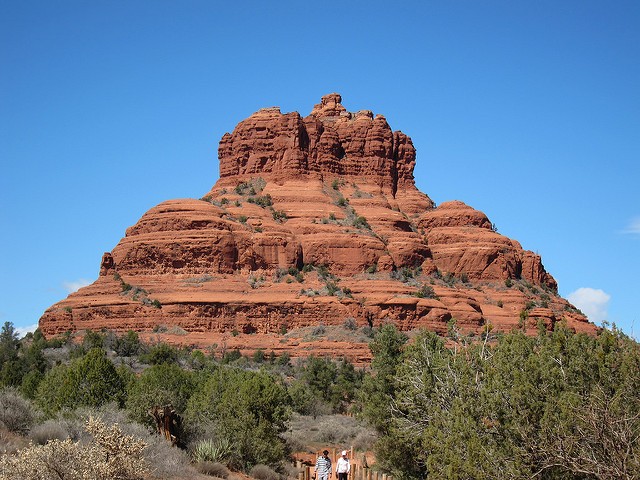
314 221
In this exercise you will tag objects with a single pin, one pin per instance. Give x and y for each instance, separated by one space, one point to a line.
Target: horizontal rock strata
314 221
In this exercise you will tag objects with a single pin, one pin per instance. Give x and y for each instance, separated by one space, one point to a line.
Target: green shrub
279 215
258 356
361 222
30 383
231 356
160 353
128 345
279 274
91 380
162 384
250 409
332 288
426 291
263 201
293 271
92 339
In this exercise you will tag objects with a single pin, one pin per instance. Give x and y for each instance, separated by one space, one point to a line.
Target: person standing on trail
323 466
343 467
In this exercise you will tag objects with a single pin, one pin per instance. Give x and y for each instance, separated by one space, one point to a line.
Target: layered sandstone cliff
314 220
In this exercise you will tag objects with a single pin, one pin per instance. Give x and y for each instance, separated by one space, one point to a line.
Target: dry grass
213 469
10 443
16 412
333 333
49 430
262 472
304 431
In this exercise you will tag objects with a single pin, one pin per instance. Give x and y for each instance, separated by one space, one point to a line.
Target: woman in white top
343 467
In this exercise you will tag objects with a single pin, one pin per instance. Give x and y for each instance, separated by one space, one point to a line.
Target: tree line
559 405
240 402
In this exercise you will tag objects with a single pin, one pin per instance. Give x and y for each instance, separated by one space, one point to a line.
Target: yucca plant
212 450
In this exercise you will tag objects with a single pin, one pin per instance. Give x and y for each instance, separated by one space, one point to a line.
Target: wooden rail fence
358 470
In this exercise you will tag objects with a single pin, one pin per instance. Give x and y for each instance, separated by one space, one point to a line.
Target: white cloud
593 303
22 331
634 227
76 285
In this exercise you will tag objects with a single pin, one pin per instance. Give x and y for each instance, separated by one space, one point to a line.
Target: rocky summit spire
330 108
329 141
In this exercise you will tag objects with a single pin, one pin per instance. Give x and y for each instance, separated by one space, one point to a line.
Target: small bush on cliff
262 201
350 324
426 291
279 215
361 222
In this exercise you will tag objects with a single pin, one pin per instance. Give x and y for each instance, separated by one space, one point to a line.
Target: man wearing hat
343 467
323 466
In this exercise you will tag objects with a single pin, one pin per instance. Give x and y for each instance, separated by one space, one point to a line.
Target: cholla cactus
111 455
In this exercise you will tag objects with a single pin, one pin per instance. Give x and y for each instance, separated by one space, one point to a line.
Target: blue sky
528 111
